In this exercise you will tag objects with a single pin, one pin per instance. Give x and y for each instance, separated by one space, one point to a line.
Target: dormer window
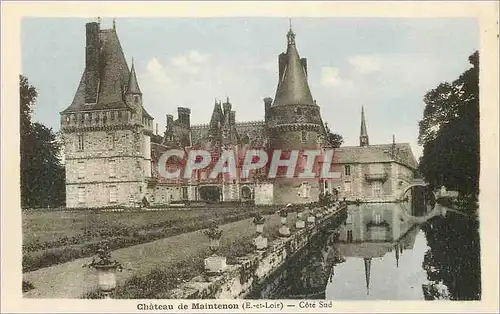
136 99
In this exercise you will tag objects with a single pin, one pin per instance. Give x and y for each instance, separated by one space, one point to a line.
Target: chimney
156 128
92 62
184 116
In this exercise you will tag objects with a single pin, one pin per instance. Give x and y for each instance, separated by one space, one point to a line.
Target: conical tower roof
293 88
133 85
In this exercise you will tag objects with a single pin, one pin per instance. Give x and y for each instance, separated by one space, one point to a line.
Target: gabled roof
293 88
113 77
376 153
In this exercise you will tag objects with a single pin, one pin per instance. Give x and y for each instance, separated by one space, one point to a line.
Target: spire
368 265
133 85
290 35
363 136
397 255
293 88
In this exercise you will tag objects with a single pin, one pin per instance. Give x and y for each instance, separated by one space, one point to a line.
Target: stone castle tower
294 123
106 129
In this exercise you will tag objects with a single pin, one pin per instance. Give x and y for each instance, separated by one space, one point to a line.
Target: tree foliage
332 139
454 255
449 133
42 175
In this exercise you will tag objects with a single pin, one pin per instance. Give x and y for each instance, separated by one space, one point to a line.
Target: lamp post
106 270
260 242
214 264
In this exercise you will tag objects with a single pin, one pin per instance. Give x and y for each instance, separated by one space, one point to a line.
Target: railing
376 176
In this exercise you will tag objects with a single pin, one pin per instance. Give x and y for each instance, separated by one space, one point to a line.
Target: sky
384 64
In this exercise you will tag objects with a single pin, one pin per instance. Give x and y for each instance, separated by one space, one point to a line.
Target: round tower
294 123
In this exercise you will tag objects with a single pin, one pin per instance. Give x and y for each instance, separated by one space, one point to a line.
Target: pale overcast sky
385 64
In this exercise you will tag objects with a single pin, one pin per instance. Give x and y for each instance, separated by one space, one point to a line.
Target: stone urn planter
106 270
311 219
300 223
260 242
284 230
214 264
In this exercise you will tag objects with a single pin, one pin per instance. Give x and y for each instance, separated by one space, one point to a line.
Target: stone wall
112 165
162 194
238 281
108 194
296 191
263 194
356 186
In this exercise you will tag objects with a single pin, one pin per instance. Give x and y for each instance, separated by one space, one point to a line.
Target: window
81 142
347 187
303 136
377 188
184 193
378 219
112 169
347 170
111 141
112 194
81 195
349 235
349 219
81 170
305 190
136 99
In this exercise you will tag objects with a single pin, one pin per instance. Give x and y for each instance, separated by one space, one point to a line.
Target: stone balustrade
252 270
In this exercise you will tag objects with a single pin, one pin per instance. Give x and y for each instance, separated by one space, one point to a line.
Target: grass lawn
53 237
158 282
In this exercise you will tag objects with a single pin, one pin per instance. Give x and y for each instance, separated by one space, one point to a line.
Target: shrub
27 286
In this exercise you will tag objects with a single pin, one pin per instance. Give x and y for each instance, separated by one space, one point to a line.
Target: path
71 280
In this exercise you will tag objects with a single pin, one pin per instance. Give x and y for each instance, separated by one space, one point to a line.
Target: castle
112 151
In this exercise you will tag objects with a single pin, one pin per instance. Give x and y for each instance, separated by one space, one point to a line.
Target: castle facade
112 150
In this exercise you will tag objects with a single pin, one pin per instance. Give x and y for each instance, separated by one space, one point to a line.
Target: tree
454 255
449 133
332 139
42 175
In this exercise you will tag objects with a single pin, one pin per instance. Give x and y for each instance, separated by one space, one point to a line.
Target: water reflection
382 248
380 252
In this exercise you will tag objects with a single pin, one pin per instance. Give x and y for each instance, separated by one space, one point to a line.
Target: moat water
380 252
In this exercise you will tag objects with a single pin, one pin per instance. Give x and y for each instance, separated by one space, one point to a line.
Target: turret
293 122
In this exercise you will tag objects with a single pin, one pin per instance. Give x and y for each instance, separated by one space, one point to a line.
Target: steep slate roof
293 88
376 153
114 76
255 130
133 85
